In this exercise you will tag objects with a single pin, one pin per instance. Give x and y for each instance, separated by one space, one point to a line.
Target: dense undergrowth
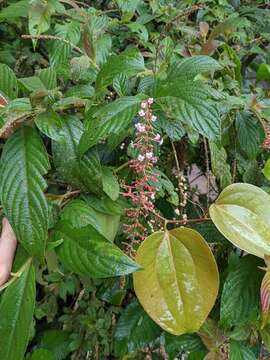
120 120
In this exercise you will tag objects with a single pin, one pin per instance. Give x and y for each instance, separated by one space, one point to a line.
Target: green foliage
129 120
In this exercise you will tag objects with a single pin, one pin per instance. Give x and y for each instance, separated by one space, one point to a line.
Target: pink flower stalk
142 191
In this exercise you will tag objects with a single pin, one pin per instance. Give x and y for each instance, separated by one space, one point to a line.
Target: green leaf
48 77
16 313
84 173
181 278
8 82
128 63
128 7
188 68
24 161
190 103
31 84
15 10
42 354
220 167
241 214
266 169
263 73
240 300
134 330
110 183
80 214
49 123
120 84
110 119
86 252
250 133
57 342
239 351
175 345
40 13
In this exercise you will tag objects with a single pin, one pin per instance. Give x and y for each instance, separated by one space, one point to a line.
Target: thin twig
51 37
181 222
207 171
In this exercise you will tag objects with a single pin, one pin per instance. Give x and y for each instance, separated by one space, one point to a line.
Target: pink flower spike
140 158
150 101
153 118
142 113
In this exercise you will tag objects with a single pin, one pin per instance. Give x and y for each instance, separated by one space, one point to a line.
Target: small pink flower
144 105
152 196
149 155
140 158
157 138
154 159
140 127
161 142
153 118
150 101
142 113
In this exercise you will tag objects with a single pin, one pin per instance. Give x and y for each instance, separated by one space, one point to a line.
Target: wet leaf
241 214
181 278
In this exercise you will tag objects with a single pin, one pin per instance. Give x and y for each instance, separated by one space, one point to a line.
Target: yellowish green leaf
241 214
179 283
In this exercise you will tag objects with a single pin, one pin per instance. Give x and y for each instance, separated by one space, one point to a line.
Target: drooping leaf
110 183
84 172
263 73
8 82
241 214
240 295
80 214
48 77
40 16
190 103
86 252
128 63
24 161
250 134
181 283
188 68
120 84
134 330
16 312
110 119
31 84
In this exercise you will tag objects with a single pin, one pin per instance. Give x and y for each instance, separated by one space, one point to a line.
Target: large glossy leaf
240 302
49 123
24 161
85 172
87 252
181 278
134 330
80 214
188 68
241 213
128 63
8 82
16 312
190 103
110 119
